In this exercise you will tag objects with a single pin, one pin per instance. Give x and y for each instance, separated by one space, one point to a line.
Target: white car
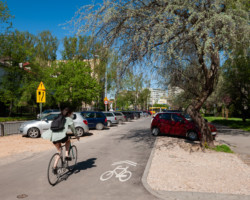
35 128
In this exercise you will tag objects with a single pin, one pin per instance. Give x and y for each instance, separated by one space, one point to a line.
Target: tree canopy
172 34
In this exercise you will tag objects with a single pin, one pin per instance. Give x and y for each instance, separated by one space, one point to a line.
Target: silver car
111 118
35 128
120 117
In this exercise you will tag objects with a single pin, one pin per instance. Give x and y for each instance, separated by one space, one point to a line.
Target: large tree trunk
206 136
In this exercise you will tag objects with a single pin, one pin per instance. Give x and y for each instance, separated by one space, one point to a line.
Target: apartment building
158 96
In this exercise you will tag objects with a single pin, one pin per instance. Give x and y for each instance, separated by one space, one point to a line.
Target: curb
173 195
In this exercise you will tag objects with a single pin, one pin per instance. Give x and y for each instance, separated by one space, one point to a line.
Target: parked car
129 116
35 128
111 118
95 119
136 114
176 124
47 112
120 117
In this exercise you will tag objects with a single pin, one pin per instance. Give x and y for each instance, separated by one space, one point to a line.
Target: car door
178 125
164 123
46 121
90 116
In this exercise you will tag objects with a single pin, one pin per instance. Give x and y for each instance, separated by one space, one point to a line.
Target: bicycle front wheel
73 154
54 175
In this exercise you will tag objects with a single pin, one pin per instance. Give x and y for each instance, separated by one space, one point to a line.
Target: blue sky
35 16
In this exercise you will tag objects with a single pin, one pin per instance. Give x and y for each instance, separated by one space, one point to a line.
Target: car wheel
33 132
108 123
99 126
192 135
155 131
119 121
79 131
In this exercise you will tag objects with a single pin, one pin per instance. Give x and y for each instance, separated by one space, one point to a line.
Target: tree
173 31
46 47
237 83
71 82
18 47
4 16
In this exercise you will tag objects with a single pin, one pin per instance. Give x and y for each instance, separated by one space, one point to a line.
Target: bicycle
62 165
120 172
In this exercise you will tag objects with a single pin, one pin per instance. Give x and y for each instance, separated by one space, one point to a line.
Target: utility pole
106 83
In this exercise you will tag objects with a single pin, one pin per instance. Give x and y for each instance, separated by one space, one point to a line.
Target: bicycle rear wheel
73 154
53 176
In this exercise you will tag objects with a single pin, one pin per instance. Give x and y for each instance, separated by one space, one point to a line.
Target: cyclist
61 137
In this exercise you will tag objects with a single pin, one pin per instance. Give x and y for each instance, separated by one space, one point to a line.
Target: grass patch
6 119
222 148
231 122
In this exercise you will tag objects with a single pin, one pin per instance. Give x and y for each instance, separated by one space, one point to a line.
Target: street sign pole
41 105
41 96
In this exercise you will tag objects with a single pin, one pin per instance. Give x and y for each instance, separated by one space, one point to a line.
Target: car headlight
23 125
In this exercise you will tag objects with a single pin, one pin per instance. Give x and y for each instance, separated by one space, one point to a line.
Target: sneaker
68 158
54 170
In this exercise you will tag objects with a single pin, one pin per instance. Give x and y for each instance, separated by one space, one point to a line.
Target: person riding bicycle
61 137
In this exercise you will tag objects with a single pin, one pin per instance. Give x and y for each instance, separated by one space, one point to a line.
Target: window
90 115
51 117
99 115
109 114
118 114
177 118
166 116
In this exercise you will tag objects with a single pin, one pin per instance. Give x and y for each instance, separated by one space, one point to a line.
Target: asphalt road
130 142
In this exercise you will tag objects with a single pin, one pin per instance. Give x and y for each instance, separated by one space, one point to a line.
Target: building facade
157 96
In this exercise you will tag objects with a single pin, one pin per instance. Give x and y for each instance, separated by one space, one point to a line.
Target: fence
10 128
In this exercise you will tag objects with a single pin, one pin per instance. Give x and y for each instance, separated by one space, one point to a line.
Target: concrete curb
168 195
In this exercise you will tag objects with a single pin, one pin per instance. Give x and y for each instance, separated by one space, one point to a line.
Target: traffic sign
40 96
41 86
106 102
105 99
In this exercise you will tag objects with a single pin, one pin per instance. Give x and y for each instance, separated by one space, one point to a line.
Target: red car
174 123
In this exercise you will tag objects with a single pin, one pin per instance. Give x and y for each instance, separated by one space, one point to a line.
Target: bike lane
122 152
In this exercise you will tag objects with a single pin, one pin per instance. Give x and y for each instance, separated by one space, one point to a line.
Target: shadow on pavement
80 166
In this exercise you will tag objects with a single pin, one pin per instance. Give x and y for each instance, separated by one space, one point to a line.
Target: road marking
120 172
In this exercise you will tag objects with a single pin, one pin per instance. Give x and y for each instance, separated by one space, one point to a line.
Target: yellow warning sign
105 99
41 86
40 96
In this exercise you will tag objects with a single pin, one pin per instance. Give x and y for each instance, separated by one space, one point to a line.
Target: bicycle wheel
52 176
73 154
106 175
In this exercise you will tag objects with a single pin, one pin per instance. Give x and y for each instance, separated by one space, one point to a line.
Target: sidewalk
183 195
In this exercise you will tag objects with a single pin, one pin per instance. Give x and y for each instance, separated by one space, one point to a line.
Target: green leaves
72 82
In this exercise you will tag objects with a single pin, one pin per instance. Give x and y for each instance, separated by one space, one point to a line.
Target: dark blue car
95 119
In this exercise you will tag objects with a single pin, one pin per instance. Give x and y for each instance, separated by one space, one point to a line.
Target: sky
35 16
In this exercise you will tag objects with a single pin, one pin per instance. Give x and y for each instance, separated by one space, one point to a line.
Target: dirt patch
181 166
15 144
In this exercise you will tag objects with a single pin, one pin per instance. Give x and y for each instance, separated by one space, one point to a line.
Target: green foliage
71 82
47 46
4 16
7 119
222 148
231 122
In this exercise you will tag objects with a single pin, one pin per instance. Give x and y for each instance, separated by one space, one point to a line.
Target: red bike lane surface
121 152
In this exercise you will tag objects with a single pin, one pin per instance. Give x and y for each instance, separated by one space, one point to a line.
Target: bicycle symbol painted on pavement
120 172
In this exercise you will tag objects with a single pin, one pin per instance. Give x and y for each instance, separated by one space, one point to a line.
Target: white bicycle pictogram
120 172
